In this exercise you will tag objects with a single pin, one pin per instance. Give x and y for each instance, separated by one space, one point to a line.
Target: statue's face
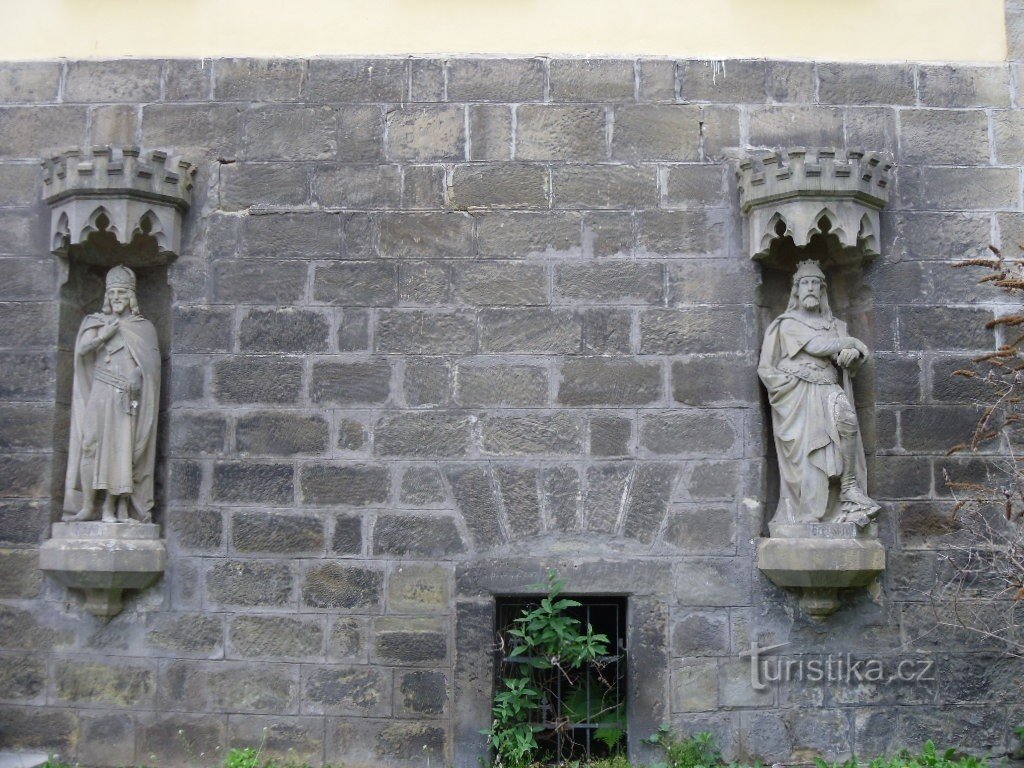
120 299
809 292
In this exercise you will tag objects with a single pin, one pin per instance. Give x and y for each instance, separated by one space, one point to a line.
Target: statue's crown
120 277
808 268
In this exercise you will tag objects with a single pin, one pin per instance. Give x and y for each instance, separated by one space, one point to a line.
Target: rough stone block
347 538
700 633
520 499
791 81
657 132
685 233
649 494
476 498
20 577
17 231
25 476
416 588
356 284
29 81
282 738
186 478
728 80
410 641
421 693
966 189
900 477
695 186
435 235
247 482
532 435
38 728
117 685
530 331
810 126
513 80
357 80
257 380
607 331
357 186
209 130
490 132
426 381
945 328
685 330
842 83
938 137
423 282
253 184
258 79
281 434
353 485
363 691
202 329
519 235
549 132
716 581
417 536
656 80
23 677
23 522
607 486
610 282
23 130
499 185
160 735
442 434
698 529
360 133
249 583
350 383
351 434
188 79
424 186
936 429
26 426
25 277
259 282
610 435
277 533
1008 135
286 132
604 186
116 124
499 283
963 85
484 384
186 634
27 376
283 330
115 80
601 381
425 133
297 235
276 637
347 639
694 685
717 380
592 80
337 585
422 486
426 80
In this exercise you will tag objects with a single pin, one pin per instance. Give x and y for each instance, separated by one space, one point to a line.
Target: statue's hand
848 357
109 330
136 381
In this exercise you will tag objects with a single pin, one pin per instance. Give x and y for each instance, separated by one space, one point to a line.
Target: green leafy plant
245 757
930 757
54 761
547 647
697 751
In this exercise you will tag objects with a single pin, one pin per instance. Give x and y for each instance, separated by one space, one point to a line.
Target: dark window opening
583 714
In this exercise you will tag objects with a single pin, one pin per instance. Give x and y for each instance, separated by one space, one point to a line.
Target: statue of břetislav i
807 360
115 400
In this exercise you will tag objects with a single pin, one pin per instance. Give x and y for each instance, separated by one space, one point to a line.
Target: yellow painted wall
923 30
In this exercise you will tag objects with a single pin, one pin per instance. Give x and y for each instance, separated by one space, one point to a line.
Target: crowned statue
807 361
115 400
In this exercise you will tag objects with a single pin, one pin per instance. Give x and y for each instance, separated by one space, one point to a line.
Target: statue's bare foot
855 502
84 515
108 510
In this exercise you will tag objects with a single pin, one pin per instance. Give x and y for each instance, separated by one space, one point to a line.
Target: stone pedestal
103 559
820 566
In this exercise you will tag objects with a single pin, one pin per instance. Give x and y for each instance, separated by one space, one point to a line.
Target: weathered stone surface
416 536
421 692
281 738
610 435
432 235
423 434
360 133
945 328
119 685
610 282
731 80
700 633
720 581
591 80
38 728
533 331
599 381
410 641
427 381
476 498
549 132
347 639
421 332
701 530
253 379
276 532
280 434
520 499
656 80
527 435
657 132
250 483
283 330
420 133
937 137
350 383
186 634
357 186
422 486
710 380
279 132
416 588
349 484
22 677
335 585
866 84
513 80
247 184
490 132
499 185
347 538
500 283
257 79
604 186
276 637
356 80
364 691
483 384
195 529
522 234
694 433
116 80
202 329
26 426
423 282
684 330
952 85
29 81
959 189
249 583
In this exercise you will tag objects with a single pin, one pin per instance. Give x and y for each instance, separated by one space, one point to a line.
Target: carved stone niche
112 205
110 209
813 214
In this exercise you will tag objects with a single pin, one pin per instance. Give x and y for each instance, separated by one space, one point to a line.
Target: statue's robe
113 423
803 388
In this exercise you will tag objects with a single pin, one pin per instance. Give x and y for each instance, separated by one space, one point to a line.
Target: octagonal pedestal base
818 567
103 559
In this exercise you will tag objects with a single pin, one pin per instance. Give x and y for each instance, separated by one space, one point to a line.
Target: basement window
583 711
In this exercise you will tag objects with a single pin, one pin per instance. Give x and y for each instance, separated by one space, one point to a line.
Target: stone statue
807 360
115 400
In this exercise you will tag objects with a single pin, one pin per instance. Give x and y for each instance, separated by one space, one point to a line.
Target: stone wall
441 324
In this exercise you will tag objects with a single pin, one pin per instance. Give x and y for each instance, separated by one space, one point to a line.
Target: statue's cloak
804 421
140 338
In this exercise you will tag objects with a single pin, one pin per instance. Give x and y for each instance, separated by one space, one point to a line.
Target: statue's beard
810 303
